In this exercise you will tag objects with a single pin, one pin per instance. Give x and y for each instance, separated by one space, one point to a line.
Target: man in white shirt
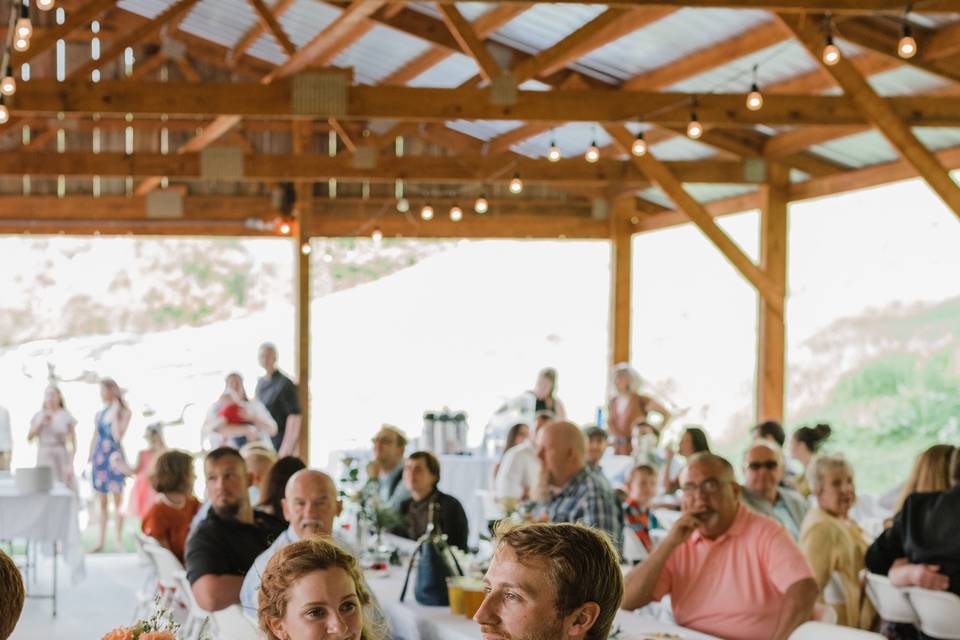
519 474
310 504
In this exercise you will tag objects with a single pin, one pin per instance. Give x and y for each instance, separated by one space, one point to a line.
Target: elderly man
279 395
576 494
551 581
310 504
387 479
225 543
763 470
730 572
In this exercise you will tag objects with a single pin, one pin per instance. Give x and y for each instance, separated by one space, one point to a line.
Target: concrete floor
104 600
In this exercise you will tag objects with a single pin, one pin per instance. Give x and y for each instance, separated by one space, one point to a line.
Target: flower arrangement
159 626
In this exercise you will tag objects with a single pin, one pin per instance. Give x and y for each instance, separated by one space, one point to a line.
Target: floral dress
106 478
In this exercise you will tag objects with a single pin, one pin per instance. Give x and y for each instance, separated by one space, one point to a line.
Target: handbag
437 563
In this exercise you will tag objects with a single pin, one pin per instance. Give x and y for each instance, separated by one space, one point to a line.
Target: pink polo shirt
733 587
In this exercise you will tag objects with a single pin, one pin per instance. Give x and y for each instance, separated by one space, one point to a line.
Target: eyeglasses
769 465
708 487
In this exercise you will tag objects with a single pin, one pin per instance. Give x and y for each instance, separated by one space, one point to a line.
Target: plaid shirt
588 500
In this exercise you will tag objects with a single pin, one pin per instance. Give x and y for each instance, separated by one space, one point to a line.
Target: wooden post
771 331
621 256
304 208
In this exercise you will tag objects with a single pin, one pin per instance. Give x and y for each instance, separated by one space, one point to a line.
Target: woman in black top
922 547
421 473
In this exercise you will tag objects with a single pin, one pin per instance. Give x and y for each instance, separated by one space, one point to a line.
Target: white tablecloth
411 621
43 517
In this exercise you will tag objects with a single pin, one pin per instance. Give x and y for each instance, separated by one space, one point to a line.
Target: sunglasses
769 465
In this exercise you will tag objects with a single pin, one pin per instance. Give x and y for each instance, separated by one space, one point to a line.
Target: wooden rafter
470 42
270 23
256 30
44 40
868 33
661 175
878 111
840 7
426 104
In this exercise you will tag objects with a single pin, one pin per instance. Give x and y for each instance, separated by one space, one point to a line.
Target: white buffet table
411 621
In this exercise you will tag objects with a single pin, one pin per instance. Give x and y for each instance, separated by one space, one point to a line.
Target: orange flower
157 635
119 634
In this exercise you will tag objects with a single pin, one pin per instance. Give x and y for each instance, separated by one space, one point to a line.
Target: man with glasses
730 572
762 492
387 469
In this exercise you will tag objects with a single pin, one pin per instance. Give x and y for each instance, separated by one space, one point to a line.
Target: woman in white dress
234 420
55 428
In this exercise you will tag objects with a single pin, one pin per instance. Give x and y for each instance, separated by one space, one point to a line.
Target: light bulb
377 235
694 128
306 249
754 98
403 205
285 228
426 212
593 153
456 213
516 185
481 205
4 113
329 258
553 155
24 28
831 54
907 47
8 86
21 44
639 146
45 5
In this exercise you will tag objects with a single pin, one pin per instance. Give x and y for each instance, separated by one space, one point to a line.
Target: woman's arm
560 410
261 418
120 424
36 423
651 404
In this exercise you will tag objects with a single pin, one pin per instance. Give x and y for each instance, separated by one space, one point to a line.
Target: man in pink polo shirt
729 572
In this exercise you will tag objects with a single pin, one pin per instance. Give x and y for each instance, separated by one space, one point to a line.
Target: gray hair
820 466
270 347
769 445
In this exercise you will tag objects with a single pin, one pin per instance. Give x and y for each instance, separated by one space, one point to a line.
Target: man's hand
681 530
928 576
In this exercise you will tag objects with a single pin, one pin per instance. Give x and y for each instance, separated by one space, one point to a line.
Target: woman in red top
626 407
168 520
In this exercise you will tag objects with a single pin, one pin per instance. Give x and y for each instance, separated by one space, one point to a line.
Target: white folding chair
938 612
633 549
197 618
890 602
823 631
231 624
167 566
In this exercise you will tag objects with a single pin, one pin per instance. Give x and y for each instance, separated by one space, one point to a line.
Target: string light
376 236
516 185
481 205
553 155
46 5
24 29
285 228
8 86
4 112
639 146
456 213
907 47
306 249
694 128
831 53
403 205
754 98
426 213
593 152
21 44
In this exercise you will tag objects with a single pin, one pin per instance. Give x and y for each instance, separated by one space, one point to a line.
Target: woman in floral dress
105 450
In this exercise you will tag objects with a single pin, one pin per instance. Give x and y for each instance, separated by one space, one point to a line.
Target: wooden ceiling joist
256 30
879 112
426 104
79 18
842 7
410 168
471 44
268 22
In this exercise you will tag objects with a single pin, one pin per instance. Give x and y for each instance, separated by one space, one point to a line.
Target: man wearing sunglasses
730 572
763 470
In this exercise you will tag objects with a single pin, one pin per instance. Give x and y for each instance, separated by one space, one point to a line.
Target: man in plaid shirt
576 494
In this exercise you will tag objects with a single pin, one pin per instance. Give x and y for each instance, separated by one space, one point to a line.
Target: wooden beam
880 114
426 104
660 174
840 7
304 212
44 40
469 42
942 43
343 134
189 72
444 169
621 260
269 23
147 67
256 30
868 177
716 208
771 329
883 40
325 42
